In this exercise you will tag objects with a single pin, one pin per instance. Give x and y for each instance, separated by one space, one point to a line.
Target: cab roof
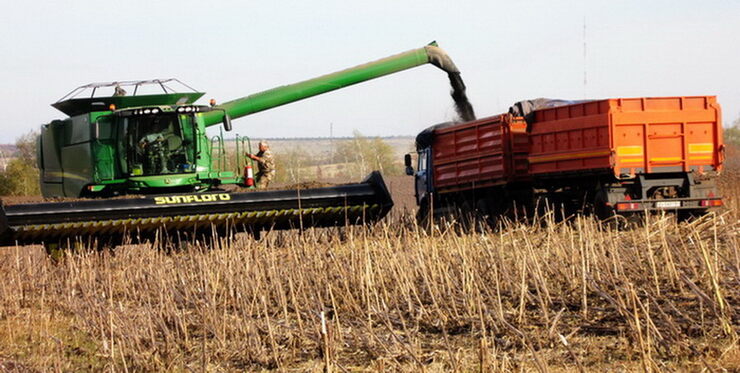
71 105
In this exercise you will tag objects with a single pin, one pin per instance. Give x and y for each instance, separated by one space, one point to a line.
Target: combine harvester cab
156 145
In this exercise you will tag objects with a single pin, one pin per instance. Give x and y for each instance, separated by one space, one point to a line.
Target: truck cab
422 173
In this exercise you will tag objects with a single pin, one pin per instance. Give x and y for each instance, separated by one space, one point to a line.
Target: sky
507 51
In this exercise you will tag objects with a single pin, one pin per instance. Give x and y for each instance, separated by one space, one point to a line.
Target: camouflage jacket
266 162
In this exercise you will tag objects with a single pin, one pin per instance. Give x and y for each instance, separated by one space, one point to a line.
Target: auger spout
326 83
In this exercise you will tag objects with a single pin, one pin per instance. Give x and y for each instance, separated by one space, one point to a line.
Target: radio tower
585 77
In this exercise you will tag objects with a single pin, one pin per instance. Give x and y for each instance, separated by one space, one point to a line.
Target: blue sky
507 51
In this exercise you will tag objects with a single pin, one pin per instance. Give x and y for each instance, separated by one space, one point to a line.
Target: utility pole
331 141
585 77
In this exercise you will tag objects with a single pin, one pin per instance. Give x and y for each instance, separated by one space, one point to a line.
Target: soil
19 200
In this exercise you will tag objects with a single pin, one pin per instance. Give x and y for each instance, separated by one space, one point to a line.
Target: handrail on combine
218 152
243 144
162 83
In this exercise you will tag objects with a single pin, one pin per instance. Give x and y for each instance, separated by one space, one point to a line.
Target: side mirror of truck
227 122
407 162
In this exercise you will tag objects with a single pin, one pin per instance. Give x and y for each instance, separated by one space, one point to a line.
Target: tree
732 134
21 177
26 145
291 166
368 154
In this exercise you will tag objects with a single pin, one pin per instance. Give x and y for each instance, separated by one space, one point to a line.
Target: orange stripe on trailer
569 156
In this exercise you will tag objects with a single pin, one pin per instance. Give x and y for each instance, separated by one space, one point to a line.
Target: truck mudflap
360 203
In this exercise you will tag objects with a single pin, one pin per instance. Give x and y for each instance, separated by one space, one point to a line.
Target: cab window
422 160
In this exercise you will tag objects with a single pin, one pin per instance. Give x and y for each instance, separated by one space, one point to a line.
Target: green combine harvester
156 146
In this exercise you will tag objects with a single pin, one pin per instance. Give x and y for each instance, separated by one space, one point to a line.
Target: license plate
667 204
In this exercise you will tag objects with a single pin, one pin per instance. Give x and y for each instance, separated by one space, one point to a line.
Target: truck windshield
158 144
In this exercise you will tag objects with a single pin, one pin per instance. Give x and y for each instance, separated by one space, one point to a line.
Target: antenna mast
585 77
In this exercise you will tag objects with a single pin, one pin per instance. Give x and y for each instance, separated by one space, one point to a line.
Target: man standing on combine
265 165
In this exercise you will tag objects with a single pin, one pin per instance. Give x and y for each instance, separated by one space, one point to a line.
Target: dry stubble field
575 296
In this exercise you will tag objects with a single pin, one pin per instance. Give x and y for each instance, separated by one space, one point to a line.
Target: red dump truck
611 156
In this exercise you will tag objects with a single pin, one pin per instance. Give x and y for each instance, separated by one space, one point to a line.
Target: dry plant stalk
580 295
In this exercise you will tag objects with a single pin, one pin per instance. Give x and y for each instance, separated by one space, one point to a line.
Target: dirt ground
19 200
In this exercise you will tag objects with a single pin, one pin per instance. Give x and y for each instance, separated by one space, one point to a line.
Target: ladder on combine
219 167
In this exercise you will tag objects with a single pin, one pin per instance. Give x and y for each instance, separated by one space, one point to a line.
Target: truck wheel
422 215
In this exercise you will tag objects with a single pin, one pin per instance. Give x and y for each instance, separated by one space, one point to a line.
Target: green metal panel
51 170
104 148
77 173
165 181
326 83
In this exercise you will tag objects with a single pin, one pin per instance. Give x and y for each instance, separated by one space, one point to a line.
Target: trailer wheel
689 215
483 213
601 207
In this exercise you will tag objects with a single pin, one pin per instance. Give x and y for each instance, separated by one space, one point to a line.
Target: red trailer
612 156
